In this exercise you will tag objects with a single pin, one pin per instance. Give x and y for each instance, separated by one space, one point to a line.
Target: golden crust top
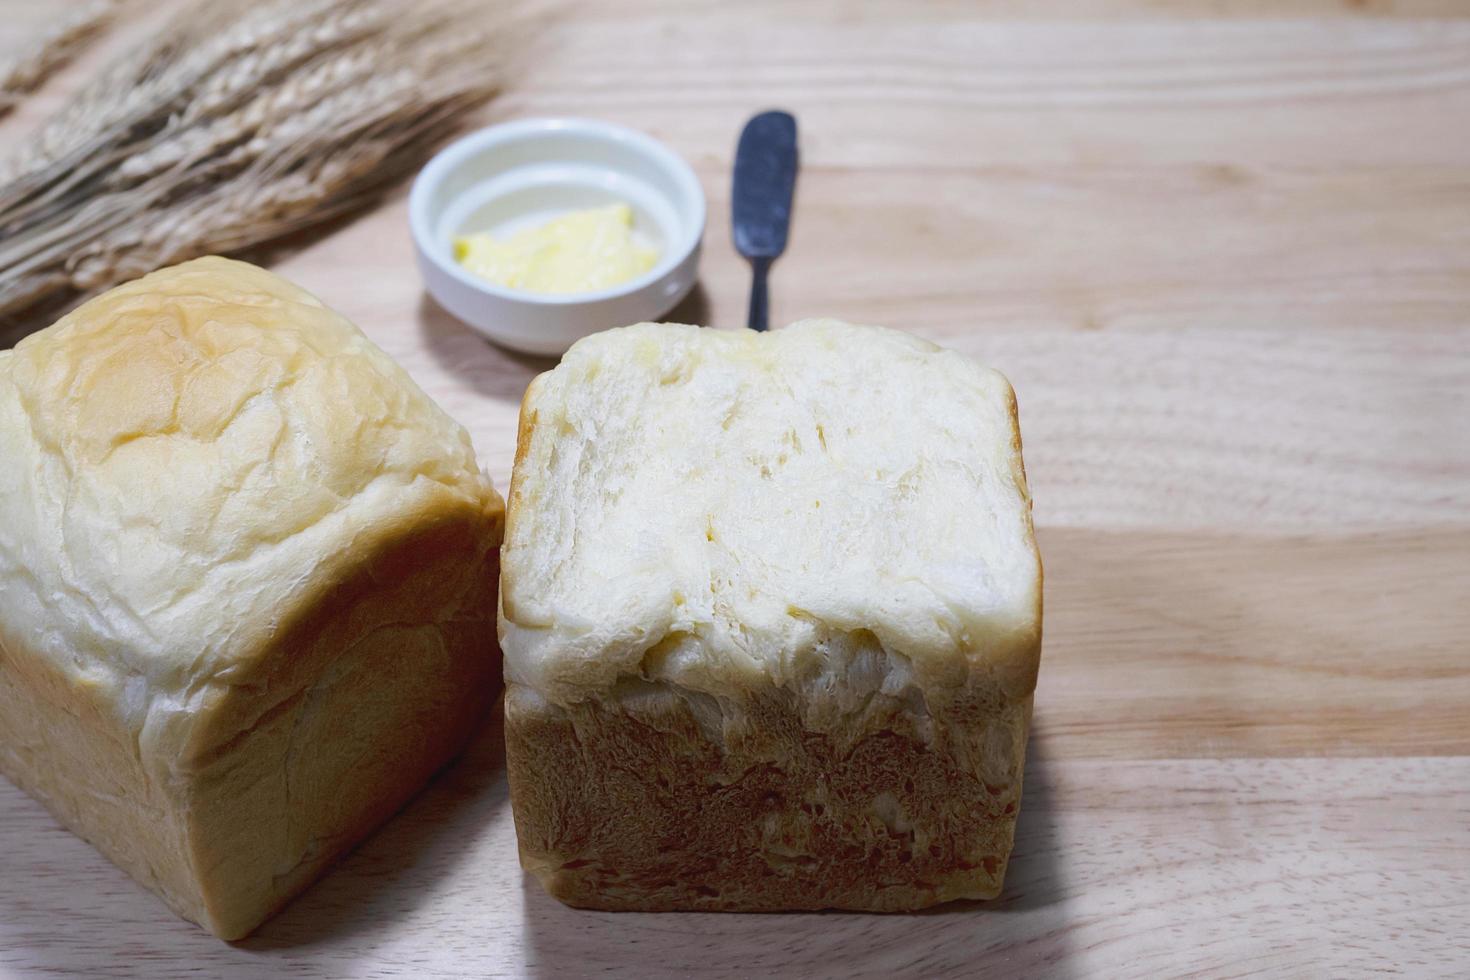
191 455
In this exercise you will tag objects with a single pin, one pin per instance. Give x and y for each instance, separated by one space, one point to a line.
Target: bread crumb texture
828 507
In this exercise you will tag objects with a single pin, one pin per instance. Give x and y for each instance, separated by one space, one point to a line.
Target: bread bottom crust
653 799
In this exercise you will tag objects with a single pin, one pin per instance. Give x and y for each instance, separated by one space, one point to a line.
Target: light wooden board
1223 252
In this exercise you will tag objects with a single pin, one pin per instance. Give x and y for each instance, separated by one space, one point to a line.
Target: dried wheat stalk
237 127
24 72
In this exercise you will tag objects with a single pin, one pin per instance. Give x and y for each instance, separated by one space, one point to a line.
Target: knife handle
760 306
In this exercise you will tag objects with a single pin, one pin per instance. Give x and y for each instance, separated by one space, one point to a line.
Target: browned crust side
525 432
60 741
627 804
385 678
1018 474
367 691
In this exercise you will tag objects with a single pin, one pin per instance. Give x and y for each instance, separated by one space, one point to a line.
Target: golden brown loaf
247 579
771 617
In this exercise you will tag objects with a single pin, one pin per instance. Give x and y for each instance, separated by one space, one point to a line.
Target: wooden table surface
1223 252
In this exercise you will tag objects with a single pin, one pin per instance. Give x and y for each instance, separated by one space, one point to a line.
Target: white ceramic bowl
507 176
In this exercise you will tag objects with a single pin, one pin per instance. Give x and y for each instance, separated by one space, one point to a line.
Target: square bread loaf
247 585
771 615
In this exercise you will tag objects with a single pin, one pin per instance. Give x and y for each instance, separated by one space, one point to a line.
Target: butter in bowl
539 232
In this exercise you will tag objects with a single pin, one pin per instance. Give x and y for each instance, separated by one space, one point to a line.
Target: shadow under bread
492 371
503 374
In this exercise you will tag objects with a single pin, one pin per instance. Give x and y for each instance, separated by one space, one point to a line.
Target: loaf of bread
771 612
247 585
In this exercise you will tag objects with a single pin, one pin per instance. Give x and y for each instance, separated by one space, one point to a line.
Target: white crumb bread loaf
771 615
247 584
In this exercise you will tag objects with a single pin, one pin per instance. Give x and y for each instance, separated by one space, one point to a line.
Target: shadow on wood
490 370
502 374
693 308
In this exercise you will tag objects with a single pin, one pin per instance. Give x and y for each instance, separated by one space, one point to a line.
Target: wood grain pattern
1223 252
1230 867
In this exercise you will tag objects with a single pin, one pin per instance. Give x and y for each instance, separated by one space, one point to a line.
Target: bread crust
374 688
370 691
247 585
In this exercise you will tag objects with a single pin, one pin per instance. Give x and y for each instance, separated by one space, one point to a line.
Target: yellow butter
579 252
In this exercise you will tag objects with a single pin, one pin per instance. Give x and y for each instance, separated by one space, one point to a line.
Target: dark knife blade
765 182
